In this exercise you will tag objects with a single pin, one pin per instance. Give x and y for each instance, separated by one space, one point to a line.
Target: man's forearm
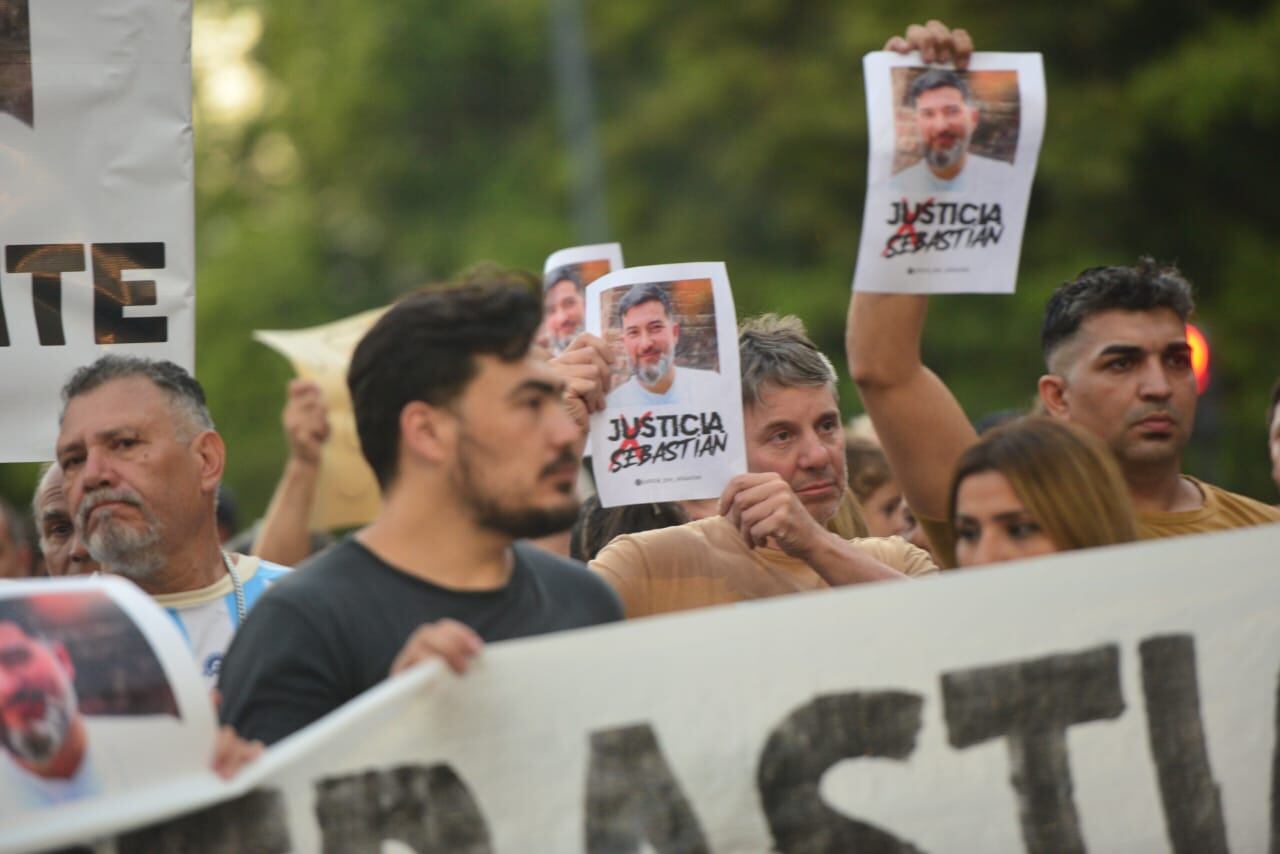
840 562
285 535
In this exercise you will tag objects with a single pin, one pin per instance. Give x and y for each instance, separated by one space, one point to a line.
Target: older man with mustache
141 463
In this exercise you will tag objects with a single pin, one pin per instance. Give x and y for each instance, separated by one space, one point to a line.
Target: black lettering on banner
254 822
816 736
111 293
46 262
428 808
633 797
1031 704
1192 802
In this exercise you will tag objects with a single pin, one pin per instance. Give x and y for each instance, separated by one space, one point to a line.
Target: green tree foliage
401 141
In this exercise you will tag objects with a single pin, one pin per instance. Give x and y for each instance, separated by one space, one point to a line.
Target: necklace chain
241 610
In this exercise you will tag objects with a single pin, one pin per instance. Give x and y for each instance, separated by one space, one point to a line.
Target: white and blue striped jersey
208 618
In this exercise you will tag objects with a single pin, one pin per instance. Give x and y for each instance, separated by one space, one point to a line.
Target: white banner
951 158
671 428
96 205
1117 700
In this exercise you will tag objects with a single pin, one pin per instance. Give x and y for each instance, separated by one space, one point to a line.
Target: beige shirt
707 563
1221 511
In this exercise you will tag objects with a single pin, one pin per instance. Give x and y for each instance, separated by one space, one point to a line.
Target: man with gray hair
61 545
786 526
650 333
141 463
946 116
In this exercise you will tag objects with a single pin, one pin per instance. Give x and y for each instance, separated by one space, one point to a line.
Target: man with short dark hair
1119 365
464 428
1115 344
141 463
64 550
563 307
650 335
776 534
946 116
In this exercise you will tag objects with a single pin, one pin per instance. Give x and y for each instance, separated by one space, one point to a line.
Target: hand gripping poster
96 209
672 424
565 277
951 159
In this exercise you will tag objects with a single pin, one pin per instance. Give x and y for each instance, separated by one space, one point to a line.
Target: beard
496 508
946 156
121 548
649 374
41 739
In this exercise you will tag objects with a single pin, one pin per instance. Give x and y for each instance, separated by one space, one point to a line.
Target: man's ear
1053 394
428 432
976 115
211 452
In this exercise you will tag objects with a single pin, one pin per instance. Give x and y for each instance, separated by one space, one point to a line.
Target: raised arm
285 537
920 423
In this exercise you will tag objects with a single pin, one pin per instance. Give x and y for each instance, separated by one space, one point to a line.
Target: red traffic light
1199 357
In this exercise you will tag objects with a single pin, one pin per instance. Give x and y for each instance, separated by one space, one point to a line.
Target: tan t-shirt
707 563
1221 511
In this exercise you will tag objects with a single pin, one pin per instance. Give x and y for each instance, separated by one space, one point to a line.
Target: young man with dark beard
465 429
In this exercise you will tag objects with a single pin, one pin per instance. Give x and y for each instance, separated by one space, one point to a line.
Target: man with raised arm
1118 363
774 535
465 428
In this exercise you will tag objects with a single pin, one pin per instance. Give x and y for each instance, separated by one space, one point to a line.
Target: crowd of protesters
475 433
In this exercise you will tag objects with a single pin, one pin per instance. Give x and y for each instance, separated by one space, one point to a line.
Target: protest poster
347 492
672 424
1120 699
565 276
96 198
99 699
951 159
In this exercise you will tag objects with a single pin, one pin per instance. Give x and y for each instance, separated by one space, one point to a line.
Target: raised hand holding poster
672 424
951 159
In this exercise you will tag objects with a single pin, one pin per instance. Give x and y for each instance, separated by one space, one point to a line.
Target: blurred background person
16 559
64 550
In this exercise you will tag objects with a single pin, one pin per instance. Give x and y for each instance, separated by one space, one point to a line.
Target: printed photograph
953 129
15 61
666 332
73 667
564 301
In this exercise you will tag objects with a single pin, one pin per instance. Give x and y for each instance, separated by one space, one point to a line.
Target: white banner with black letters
1118 700
96 204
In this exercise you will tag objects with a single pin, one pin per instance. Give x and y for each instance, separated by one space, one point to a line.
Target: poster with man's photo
98 698
672 424
951 159
566 274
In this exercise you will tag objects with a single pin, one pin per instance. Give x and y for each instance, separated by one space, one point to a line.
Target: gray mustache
92 500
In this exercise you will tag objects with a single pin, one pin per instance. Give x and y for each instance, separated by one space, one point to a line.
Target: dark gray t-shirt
331 629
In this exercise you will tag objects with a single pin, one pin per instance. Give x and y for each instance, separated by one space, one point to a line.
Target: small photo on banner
672 424
565 276
951 160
